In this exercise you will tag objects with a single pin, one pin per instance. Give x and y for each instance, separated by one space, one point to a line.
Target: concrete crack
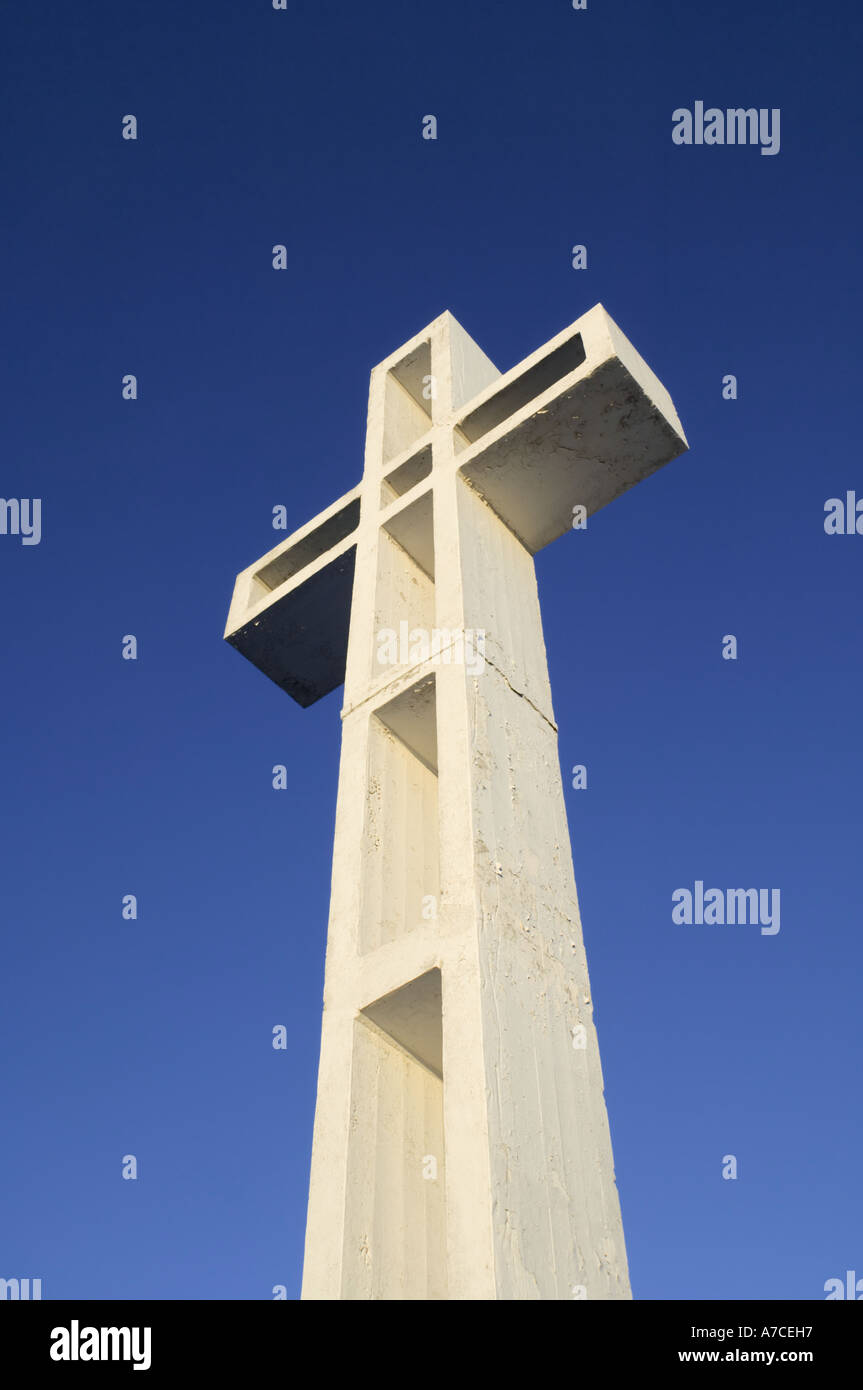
520 693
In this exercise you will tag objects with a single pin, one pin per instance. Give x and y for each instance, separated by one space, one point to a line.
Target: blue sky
153 777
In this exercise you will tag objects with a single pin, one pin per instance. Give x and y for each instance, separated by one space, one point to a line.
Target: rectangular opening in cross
523 389
395 1238
310 547
401 832
407 401
406 476
413 529
404 587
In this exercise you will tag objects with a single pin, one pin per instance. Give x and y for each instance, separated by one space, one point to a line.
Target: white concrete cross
461 1144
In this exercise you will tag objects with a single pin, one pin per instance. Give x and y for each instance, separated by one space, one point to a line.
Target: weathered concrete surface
461 1146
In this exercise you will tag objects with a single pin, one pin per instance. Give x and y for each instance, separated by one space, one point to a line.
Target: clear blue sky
303 127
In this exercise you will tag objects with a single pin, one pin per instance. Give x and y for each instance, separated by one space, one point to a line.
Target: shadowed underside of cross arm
290 613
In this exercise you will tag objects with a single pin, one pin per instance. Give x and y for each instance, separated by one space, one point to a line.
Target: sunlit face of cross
461 1147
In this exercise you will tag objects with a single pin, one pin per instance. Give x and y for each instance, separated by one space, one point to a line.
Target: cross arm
577 423
290 611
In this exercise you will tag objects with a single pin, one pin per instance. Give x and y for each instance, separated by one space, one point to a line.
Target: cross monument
461 1143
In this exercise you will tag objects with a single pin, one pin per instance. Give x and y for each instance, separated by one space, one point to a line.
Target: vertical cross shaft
461 1146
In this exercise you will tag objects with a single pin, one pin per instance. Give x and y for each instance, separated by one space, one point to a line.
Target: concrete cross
461 1144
